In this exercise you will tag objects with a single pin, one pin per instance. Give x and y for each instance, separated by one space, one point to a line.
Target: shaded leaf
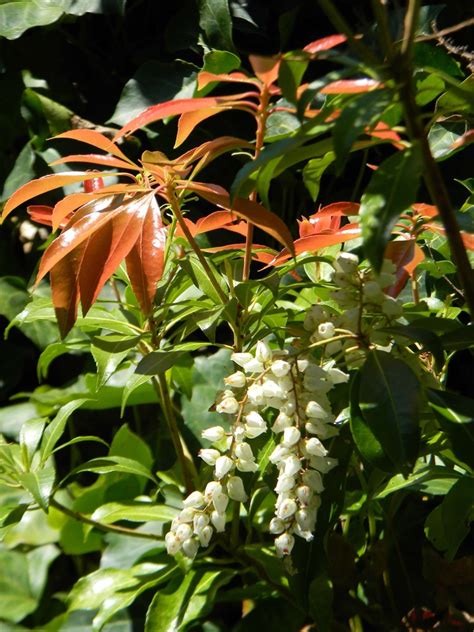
391 190
215 21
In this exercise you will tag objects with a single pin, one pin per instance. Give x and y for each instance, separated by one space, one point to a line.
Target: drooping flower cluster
295 385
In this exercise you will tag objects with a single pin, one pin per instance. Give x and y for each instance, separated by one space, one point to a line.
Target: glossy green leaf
418 479
458 98
391 190
134 512
160 361
215 21
364 437
113 464
106 363
290 73
428 339
39 484
30 436
313 172
455 414
390 400
449 523
361 112
55 428
184 600
442 138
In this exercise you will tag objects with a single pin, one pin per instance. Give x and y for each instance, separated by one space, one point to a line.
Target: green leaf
448 525
458 99
313 172
160 361
18 17
56 427
216 23
359 113
320 595
442 137
22 172
290 73
13 417
391 190
428 55
207 379
365 439
200 278
39 484
30 436
114 464
456 417
417 480
154 82
279 125
106 363
428 339
185 599
390 400
134 512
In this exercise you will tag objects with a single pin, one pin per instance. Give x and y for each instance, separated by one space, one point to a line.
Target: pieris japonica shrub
282 404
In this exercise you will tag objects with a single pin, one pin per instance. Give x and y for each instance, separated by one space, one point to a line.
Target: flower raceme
290 386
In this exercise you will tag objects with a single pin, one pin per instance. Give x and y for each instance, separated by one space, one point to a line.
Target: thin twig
446 31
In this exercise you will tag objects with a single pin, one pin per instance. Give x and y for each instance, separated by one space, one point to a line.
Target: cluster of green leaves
93 468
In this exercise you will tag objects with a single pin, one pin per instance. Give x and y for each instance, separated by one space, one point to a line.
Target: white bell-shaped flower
287 508
236 490
195 499
190 547
223 465
280 368
173 544
209 456
218 520
215 433
205 536
284 544
263 352
291 436
236 380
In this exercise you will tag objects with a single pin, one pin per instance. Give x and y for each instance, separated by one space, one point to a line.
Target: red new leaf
48 183
406 255
205 78
96 159
172 108
188 121
145 261
65 289
96 139
351 86
246 209
265 68
325 43
40 213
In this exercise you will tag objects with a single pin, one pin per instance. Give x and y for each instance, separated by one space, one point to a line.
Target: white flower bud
254 366
346 262
278 454
372 292
326 330
236 380
213 487
205 536
215 433
323 430
315 410
241 359
284 544
190 548
223 465
323 463
186 515
292 465
235 489
336 376
288 407
172 543
305 519
291 436
218 520
195 500
304 494
315 447
281 422
313 479
244 451
183 532
228 405
220 501
209 456
287 508
306 535
284 484
276 526
200 521
263 353
272 389
302 365
246 466
280 368
255 395
255 419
